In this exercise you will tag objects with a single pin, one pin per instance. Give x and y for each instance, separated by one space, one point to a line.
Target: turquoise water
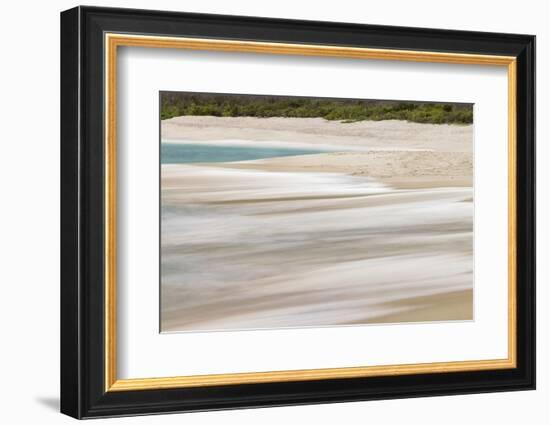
172 153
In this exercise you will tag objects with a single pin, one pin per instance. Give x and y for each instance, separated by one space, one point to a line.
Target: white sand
401 153
317 131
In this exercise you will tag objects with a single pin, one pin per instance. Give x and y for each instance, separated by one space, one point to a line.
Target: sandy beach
375 226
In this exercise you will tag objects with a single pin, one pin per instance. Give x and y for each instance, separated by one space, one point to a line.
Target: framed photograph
261 212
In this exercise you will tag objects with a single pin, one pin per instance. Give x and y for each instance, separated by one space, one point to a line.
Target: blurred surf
249 249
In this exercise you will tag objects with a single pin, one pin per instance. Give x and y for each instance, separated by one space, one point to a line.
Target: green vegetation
175 104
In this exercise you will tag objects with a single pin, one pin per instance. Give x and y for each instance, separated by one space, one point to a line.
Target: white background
29 229
143 72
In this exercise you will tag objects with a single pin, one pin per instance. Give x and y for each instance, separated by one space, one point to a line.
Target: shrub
177 104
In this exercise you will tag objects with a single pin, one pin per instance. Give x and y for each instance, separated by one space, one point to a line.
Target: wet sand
352 236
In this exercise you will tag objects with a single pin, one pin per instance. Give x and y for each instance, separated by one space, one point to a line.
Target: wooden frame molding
114 40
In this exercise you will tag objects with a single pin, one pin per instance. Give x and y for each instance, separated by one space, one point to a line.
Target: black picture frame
83 392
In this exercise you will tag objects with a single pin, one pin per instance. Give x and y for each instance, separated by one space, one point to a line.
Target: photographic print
320 197
282 212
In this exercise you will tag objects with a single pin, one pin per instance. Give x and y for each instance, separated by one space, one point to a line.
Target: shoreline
402 154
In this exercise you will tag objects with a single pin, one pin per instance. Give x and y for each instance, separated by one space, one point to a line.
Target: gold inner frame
113 41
